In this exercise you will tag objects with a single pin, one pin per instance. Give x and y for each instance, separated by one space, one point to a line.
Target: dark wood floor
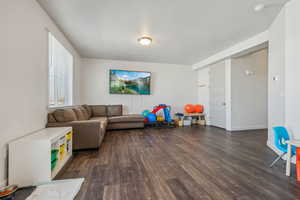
182 164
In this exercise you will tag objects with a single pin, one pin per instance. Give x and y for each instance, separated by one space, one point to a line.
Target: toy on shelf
189 108
179 115
199 108
179 119
54 158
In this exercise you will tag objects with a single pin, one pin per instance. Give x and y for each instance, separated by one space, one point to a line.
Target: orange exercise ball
199 108
189 108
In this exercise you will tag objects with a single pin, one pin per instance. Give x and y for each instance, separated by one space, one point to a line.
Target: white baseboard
3 165
249 127
3 183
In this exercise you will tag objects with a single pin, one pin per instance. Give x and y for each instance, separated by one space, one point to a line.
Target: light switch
275 78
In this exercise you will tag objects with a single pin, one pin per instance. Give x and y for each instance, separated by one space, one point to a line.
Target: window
60 74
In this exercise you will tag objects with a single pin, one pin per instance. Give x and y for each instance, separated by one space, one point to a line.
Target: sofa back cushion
51 118
98 110
114 110
85 113
88 109
64 115
79 113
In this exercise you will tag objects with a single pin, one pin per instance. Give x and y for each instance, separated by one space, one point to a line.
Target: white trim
254 41
228 93
207 122
60 106
249 127
53 108
3 183
69 77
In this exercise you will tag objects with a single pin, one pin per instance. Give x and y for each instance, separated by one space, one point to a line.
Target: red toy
189 108
157 108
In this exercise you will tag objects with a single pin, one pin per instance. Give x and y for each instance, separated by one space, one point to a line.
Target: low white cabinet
38 158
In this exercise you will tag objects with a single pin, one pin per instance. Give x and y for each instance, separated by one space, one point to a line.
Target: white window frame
68 81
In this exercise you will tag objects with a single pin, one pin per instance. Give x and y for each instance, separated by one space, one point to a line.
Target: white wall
175 85
249 93
292 67
284 61
203 91
276 93
23 71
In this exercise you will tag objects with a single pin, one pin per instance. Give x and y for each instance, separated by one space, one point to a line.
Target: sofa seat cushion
103 121
127 125
126 118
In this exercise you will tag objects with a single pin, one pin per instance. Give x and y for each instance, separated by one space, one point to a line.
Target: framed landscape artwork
129 82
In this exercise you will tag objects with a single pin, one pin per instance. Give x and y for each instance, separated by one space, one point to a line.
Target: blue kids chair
281 136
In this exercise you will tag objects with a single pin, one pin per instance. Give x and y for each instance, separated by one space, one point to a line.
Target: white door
217 95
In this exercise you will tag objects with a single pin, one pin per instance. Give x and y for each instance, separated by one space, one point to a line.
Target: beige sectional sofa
90 122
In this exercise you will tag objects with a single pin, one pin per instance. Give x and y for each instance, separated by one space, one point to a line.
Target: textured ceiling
183 32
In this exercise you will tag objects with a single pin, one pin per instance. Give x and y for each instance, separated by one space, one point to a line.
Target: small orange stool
298 163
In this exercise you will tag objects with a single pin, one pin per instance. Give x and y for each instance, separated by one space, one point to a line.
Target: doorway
217 101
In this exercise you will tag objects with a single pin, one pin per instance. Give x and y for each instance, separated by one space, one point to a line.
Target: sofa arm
86 134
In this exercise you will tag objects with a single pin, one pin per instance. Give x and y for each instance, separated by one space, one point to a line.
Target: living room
242 70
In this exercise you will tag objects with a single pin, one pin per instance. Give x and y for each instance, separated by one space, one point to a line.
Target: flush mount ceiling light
145 41
259 7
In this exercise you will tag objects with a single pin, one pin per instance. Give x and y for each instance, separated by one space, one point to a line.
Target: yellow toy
160 118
